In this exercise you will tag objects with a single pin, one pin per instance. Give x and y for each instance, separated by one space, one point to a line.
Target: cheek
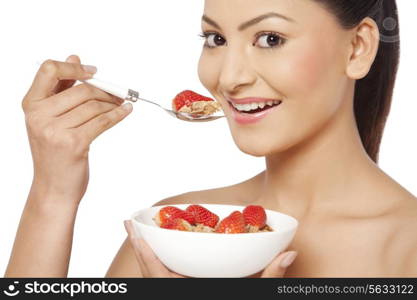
316 83
306 71
298 72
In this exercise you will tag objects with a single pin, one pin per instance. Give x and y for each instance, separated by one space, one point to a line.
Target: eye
213 39
269 40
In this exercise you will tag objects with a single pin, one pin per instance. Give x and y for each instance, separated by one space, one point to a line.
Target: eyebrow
250 22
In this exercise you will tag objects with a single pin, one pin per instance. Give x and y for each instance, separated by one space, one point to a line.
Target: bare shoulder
410 234
404 237
237 194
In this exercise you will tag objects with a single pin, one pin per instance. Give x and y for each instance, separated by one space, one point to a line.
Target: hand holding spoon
133 96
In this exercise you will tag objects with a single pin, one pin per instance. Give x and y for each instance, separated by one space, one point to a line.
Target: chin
259 147
253 151
261 144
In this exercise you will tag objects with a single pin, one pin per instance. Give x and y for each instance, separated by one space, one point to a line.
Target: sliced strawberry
255 216
170 213
178 224
234 223
186 98
203 216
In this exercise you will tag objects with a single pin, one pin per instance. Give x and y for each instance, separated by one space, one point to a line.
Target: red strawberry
203 216
171 213
186 98
234 223
255 216
178 224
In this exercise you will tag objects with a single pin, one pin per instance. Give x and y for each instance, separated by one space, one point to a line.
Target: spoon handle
124 93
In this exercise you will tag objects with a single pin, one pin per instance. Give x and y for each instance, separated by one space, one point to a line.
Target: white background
152 46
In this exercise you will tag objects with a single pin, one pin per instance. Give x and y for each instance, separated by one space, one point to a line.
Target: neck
320 171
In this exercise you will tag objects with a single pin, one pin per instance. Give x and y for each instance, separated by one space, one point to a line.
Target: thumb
279 265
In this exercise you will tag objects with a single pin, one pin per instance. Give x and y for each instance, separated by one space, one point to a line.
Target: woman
332 70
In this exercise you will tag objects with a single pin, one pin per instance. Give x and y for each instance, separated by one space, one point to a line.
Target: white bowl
197 254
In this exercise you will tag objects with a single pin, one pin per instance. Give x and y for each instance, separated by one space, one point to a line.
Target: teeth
255 105
246 107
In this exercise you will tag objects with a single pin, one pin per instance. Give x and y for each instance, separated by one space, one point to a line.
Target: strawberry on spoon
192 103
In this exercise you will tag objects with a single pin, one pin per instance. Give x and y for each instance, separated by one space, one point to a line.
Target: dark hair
373 93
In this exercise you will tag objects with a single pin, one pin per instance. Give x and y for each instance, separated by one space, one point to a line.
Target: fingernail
72 57
288 259
125 222
89 69
127 107
128 227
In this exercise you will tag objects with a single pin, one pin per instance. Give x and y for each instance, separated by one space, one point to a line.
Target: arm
124 263
410 260
62 120
44 239
412 267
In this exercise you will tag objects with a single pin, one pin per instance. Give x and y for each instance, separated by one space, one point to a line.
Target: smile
251 110
255 107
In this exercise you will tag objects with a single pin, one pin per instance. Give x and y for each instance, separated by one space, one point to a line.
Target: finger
98 125
279 265
132 237
69 99
176 275
51 72
84 113
151 261
66 84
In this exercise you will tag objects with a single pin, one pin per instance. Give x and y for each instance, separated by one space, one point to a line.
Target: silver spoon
133 96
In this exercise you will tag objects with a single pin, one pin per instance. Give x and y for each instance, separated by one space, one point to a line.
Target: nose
236 72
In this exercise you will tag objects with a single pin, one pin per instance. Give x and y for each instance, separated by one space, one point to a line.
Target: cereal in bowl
196 218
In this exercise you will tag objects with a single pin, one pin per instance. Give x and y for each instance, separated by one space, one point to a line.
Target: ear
365 44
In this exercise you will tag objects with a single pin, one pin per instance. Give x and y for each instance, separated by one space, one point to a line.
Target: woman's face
291 52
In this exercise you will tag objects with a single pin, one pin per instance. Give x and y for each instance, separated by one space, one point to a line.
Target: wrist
68 182
45 201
